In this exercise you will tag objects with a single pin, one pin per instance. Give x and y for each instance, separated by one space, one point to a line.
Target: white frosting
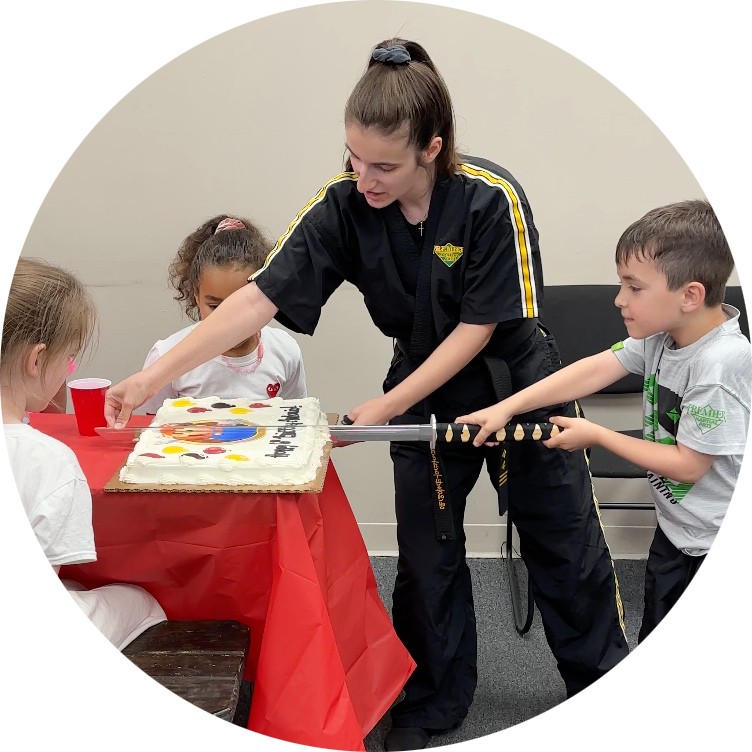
288 453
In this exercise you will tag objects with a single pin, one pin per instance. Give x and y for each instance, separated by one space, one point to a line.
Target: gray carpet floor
517 676
520 703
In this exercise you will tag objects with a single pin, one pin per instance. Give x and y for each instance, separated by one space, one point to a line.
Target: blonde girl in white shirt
49 322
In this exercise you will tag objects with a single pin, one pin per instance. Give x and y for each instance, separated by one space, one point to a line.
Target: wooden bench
177 682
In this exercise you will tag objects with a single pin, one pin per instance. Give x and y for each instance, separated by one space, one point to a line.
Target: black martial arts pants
695 647
562 543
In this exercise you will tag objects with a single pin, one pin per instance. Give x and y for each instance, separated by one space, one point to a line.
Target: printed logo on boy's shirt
742 644
706 417
617 346
448 253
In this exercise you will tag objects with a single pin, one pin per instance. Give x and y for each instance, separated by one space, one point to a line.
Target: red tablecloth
325 660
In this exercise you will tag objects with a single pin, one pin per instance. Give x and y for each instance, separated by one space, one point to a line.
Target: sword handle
465 432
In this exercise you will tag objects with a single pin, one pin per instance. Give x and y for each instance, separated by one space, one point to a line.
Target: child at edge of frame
673 265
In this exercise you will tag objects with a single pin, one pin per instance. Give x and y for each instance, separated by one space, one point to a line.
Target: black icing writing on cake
194 455
291 422
222 406
286 432
292 414
282 448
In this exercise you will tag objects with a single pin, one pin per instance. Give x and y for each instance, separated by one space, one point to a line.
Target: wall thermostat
91 8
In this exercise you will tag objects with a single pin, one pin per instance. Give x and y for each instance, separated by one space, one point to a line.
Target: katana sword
432 432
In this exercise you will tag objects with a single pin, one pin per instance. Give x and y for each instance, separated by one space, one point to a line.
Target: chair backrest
585 321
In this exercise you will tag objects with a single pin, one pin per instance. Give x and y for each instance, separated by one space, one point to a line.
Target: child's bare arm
581 379
674 461
27 600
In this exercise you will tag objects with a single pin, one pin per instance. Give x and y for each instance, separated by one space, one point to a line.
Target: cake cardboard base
314 486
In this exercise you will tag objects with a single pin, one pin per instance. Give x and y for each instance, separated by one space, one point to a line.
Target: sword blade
236 433
442 432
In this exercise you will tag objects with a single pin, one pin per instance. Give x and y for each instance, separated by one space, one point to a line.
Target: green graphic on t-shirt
651 392
665 415
706 417
678 490
617 346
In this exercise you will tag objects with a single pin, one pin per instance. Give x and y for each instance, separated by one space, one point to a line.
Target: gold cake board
314 486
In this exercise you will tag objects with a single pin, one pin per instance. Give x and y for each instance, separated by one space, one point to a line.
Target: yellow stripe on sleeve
315 200
521 239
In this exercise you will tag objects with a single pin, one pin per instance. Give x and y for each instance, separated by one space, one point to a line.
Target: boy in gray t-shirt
673 265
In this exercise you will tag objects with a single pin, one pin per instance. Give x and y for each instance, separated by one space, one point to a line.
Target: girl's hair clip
229 223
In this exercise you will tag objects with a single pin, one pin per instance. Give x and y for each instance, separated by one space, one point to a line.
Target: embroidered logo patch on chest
706 417
448 253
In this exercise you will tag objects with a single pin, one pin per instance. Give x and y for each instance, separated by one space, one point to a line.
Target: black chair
585 321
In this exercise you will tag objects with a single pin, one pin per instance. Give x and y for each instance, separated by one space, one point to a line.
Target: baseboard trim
484 541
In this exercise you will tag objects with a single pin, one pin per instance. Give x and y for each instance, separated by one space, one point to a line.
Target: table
325 660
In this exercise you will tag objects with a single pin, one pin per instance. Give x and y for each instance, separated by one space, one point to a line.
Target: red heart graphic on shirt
272 389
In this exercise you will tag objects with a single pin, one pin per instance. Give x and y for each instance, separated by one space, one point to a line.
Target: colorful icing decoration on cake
229 443
219 432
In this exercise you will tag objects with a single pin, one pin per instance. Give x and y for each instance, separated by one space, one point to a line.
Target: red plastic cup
87 396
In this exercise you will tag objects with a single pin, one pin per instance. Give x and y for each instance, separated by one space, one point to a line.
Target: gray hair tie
397 54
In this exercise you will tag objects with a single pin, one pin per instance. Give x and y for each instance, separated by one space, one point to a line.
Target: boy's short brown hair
686 243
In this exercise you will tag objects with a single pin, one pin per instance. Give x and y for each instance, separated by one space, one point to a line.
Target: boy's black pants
696 648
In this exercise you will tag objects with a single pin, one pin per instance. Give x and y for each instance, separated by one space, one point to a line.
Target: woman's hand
123 398
375 412
490 421
578 433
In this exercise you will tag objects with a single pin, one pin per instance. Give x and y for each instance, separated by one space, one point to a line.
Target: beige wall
250 122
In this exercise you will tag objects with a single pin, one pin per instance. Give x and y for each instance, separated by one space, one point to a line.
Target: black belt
501 381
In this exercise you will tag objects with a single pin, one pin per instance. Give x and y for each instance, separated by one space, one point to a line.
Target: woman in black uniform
445 253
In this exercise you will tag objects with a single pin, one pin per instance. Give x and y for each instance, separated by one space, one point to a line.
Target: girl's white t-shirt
279 374
45 519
